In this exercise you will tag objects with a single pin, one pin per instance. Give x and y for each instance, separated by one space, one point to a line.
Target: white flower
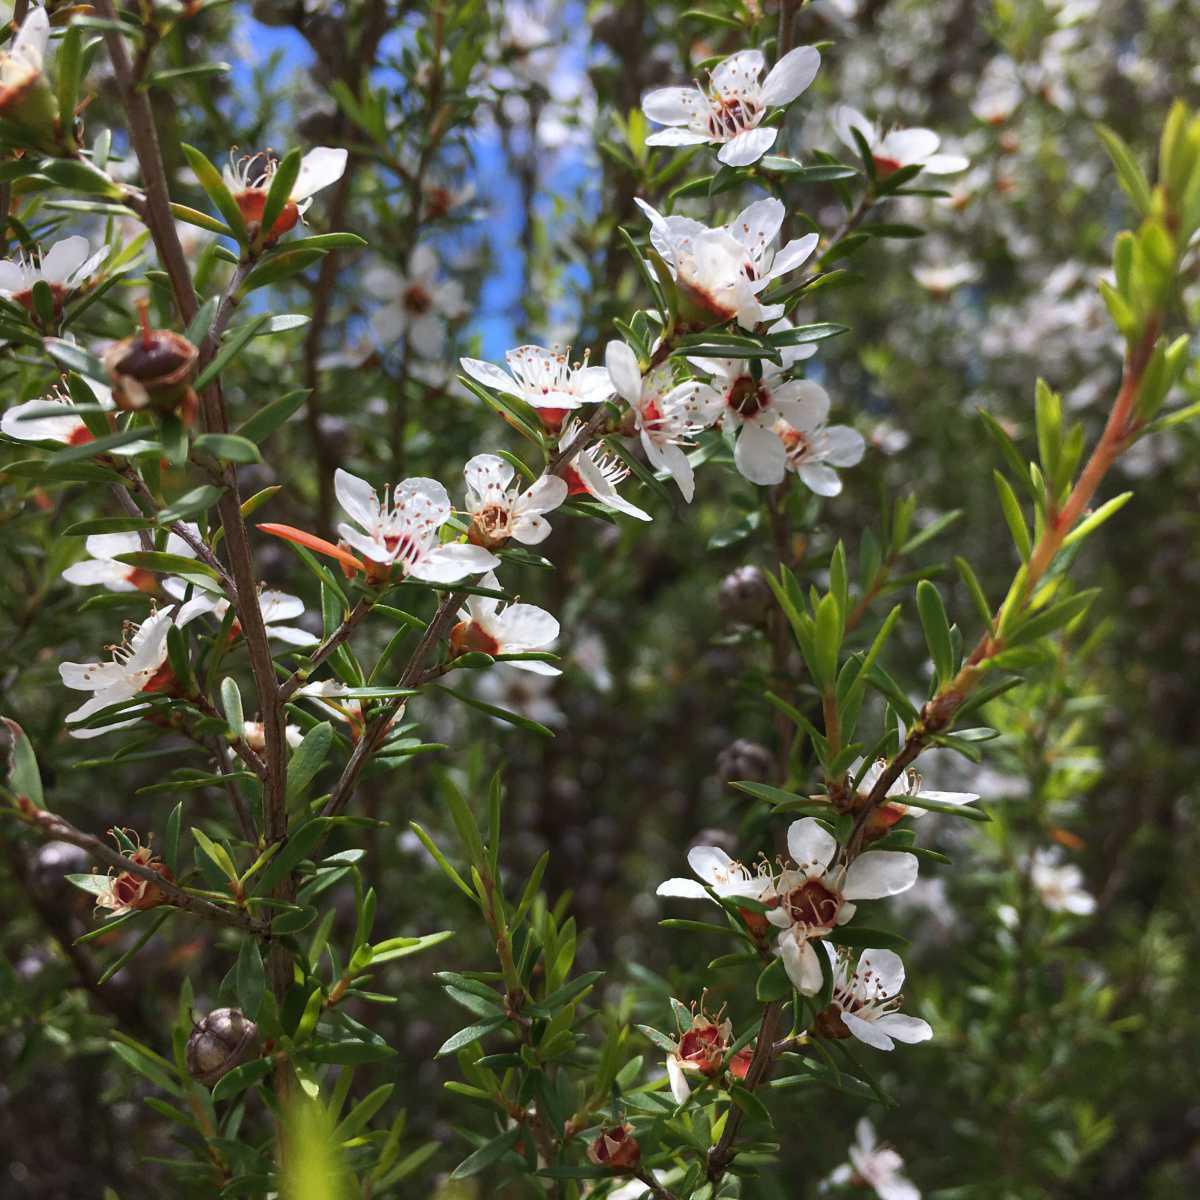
756 227
942 278
404 529
814 897
898 148
667 416
522 692
22 61
138 666
814 449
718 274
254 735
543 378
513 629
499 512
875 1166
330 697
1060 885
274 605
102 567
729 113
63 267
907 787
867 998
417 303
68 428
249 179
753 407
999 91
726 877
597 474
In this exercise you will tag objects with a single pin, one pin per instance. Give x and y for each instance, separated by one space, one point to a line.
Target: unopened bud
616 1148
224 1039
26 97
744 596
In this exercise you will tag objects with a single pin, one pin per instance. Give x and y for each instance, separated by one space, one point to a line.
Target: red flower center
469 635
747 397
252 203
813 904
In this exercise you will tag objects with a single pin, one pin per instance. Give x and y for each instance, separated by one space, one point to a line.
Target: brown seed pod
224 1039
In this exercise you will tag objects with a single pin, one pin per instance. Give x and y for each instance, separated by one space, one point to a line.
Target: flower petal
452 562
747 147
790 76
320 167
358 498
674 105
759 455
624 371
810 844
880 873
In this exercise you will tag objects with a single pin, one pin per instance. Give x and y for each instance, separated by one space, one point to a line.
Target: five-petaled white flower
102 567
63 267
138 666
275 606
513 629
729 114
814 449
815 897
1059 885
545 379
724 875
22 61
403 529
898 148
21 425
752 408
593 473
249 179
875 1166
499 512
717 274
667 415
866 1001
417 303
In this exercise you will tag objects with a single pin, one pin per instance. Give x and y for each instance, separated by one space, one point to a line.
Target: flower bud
616 1148
26 97
744 596
154 366
224 1039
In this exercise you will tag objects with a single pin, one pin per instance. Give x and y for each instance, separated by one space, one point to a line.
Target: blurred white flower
730 112
522 692
102 567
417 303
1059 885
875 1166
898 148
276 607
940 279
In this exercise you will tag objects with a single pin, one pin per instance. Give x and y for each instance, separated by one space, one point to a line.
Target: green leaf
307 759
798 173
300 844
1090 523
240 1078
500 713
217 853
235 341
280 191
193 216
228 446
24 778
231 702
251 978
210 180
936 628
488 1153
860 937
191 504
464 1037
1129 173
966 811
773 982
169 564
98 446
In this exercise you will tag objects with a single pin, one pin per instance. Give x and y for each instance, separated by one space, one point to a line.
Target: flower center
470 635
253 201
747 397
728 118
704 1048
812 904
80 435
416 300
163 680
885 166
139 577
575 484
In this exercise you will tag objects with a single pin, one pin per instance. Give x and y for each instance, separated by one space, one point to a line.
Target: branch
55 828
